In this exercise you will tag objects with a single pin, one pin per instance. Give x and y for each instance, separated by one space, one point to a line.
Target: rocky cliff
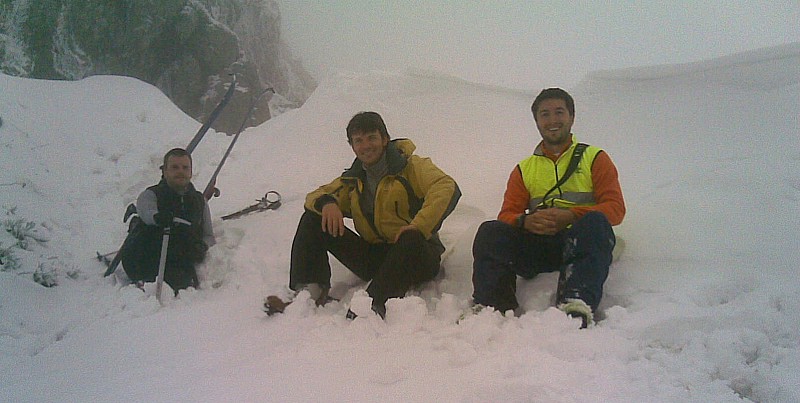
187 48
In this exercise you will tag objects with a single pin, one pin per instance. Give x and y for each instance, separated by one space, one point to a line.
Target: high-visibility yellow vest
540 174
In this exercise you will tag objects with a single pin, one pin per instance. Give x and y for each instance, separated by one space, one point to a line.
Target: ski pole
210 190
112 267
211 118
162 263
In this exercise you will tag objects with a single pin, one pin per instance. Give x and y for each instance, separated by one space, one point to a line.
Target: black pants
393 268
503 252
141 256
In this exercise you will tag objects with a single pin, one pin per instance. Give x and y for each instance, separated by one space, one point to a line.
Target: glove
163 219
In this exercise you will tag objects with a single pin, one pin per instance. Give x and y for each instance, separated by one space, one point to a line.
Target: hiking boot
362 304
473 310
317 293
274 304
577 308
323 297
379 310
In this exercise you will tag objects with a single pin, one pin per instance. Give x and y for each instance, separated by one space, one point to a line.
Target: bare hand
549 221
332 220
404 229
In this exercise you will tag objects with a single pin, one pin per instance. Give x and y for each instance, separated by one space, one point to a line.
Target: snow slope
701 306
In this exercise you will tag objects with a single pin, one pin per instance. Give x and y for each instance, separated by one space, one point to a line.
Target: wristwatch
521 220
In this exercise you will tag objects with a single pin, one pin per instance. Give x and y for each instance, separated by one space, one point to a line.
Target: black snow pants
392 268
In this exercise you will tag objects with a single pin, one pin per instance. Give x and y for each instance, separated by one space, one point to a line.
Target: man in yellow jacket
397 202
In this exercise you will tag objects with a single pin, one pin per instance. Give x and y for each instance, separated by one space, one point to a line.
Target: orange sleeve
516 198
607 192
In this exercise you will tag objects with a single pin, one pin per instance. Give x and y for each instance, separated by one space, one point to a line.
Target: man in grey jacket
176 203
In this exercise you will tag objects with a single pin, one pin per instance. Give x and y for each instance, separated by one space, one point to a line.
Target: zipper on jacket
370 218
397 212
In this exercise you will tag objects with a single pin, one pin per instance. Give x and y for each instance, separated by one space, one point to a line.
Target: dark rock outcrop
187 48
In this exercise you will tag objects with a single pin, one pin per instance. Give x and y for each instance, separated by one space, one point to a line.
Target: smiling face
554 122
369 147
178 172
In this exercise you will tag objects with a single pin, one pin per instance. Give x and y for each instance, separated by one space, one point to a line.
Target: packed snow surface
702 305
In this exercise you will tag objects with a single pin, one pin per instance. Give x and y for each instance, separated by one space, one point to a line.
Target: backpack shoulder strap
414 202
573 165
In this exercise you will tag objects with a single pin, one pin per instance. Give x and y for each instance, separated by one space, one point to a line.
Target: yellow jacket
414 191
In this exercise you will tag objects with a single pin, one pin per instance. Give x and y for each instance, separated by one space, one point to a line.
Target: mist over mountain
186 48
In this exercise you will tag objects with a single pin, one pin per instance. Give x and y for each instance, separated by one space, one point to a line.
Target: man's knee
310 218
594 220
593 226
411 236
492 228
490 236
413 240
309 227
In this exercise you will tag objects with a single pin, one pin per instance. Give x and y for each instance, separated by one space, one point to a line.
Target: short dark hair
176 152
366 122
553 93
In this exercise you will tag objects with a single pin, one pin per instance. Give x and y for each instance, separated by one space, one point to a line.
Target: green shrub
24 240
8 260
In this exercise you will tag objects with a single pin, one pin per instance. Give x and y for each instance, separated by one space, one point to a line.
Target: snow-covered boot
576 308
471 311
274 304
361 304
379 310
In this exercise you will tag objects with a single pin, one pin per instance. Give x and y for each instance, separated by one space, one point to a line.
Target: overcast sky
528 44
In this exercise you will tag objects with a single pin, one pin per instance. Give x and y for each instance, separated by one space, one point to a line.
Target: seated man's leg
495 252
131 265
309 264
180 277
587 257
411 261
140 255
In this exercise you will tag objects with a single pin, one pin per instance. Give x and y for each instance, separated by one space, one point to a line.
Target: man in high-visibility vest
554 218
